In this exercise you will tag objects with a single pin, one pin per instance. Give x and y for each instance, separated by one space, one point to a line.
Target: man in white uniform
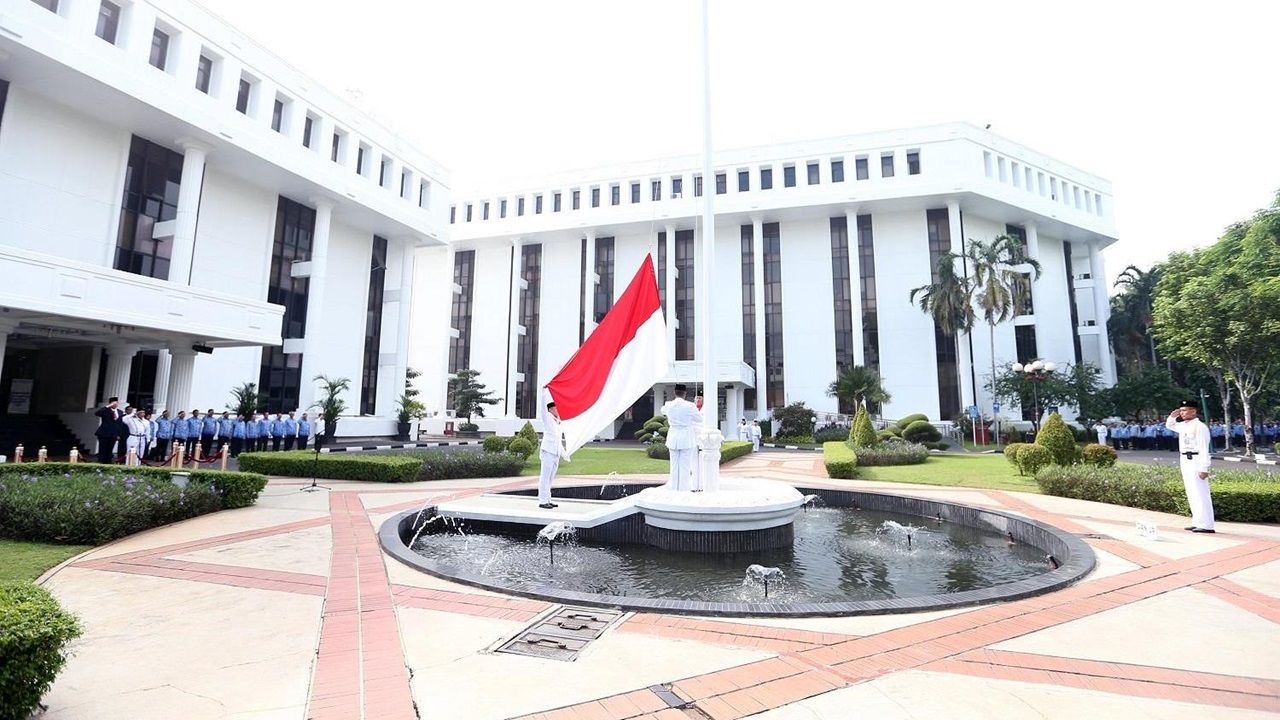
744 431
1101 431
683 417
550 452
137 442
1193 451
755 436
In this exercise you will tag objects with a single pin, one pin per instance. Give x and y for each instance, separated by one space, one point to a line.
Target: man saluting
682 439
1193 451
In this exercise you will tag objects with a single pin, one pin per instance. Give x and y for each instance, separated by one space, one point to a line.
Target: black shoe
548 506
1201 530
1190 527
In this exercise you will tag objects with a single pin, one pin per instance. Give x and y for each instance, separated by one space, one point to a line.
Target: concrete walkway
289 610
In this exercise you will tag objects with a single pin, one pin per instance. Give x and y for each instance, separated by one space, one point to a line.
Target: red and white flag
618 363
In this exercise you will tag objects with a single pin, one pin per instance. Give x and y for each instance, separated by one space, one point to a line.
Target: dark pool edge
1079 562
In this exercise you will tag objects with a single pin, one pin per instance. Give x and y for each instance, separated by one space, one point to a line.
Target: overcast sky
1171 101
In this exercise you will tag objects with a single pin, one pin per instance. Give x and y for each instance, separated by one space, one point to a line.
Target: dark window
360 160
527 343
159 48
50 5
280 375
502 207
697 186
308 125
384 177
520 206
615 195
837 171
484 211
603 300
677 187
4 95
744 180
108 21
373 327
662 273
655 190
577 199
453 214
337 146
404 183
886 171
1022 304
1025 340
537 204
766 178
939 227
913 162
776 396
789 176
722 184
842 301
684 300
424 195
582 290
860 168
277 115
242 103
635 192
1071 293
555 202
595 197
151 184
469 209
748 263
464 273
867 272
1018 232
814 177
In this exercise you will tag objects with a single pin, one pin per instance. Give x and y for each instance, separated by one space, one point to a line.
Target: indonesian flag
621 360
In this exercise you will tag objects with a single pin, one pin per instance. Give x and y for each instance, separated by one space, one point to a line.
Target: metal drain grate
562 635
1093 536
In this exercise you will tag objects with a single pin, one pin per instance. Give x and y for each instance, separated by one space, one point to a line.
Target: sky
1173 102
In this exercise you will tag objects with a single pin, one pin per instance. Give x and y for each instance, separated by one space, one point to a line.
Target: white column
136 28
855 284
119 363
589 287
1102 309
964 361
312 364
513 330
670 230
160 393
446 301
732 409
757 266
184 224
408 258
182 367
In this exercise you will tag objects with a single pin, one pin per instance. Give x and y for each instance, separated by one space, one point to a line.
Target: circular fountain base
745 515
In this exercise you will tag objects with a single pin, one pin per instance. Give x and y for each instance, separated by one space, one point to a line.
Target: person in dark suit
108 432
122 433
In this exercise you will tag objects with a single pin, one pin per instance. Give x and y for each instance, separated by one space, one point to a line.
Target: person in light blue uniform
164 435
264 432
180 431
208 429
226 426
290 432
304 432
277 432
251 433
194 424
237 435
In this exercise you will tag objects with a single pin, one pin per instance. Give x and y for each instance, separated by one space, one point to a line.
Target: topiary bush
496 443
882 436
904 423
443 465
1011 453
521 446
840 460
34 632
1057 438
1032 458
921 431
893 452
654 429
1098 455
658 450
373 467
732 449
831 433
938 445
863 434
528 433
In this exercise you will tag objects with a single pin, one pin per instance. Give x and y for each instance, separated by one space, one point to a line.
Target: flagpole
711 393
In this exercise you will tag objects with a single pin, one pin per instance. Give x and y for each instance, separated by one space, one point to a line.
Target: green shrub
1011 453
654 427
1056 437
881 437
794 420
34 632
732 449
1032 457
904 423
892 452
1238 495
521 446
793 440
332 466
496 443
831 432
658 450
442 465
238 489
939 445
921 431
863 434
840 459
528 433
1098 455
468 427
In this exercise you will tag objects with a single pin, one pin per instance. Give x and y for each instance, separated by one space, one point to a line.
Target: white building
167 185
533 269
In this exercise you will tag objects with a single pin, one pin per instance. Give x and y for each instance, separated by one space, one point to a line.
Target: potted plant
408 411
331 404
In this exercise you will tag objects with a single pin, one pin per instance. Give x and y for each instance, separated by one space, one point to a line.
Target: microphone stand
315 469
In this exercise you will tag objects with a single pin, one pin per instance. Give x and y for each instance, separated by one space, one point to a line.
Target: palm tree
859 384
949 301
1000 287
1130 324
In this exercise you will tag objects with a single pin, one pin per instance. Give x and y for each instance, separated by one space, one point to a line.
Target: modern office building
182 212
817 246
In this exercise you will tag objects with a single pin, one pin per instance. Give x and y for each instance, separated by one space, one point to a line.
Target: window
635 192
384 173
555 202
453 214
280 374
537 204
722 184
4 95
469 208
520 206
789 176
1019 232
1022 295
744 180
152 183
987 163
1071 294
615 194
373 327
50 5
1025 341
603 300
159 48
684 295
661 272
867 282
766 178
842 301
108 21
243 96
860 169
1015 170
837 171
939 229
677 187
747 260
527 342
913 163
1000 169
773 352
277 115
424 194
360 151
337 146
812 169
502 208
595 197
464 273
204 74
406 182
697 186
655 190
484 210
577 199
886 171
308 127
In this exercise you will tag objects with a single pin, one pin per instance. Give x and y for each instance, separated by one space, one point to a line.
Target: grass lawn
28 560
602 461
988 472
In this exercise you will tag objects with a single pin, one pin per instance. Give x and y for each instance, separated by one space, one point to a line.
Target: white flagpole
705 289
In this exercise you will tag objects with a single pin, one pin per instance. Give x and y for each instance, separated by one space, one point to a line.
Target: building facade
182 212
817 246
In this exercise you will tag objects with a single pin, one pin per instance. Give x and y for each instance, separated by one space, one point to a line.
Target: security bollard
224 456
42 455
74 457
17 454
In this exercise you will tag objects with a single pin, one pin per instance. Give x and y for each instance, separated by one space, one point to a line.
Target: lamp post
1035 372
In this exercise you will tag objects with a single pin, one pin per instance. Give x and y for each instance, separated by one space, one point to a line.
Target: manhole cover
544 646
561 635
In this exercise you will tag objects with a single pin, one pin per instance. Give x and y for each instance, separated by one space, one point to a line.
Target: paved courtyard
289 610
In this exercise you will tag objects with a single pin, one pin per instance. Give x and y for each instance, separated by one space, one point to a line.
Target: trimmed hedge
1238 495
906 422
732 449
892 453
333 466
921 431
840 459
441 465
831 432
34 632
1098 455
658 450
1011 454
1032 458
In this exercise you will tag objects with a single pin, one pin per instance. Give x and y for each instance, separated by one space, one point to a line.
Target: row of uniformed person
209 431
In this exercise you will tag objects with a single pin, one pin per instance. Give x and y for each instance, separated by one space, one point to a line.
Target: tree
1077 386
244 400
470 395
858 385
1129 326
331 402
1147 393
410 408
1217 306
862 434
794 420
1000 286
948 300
